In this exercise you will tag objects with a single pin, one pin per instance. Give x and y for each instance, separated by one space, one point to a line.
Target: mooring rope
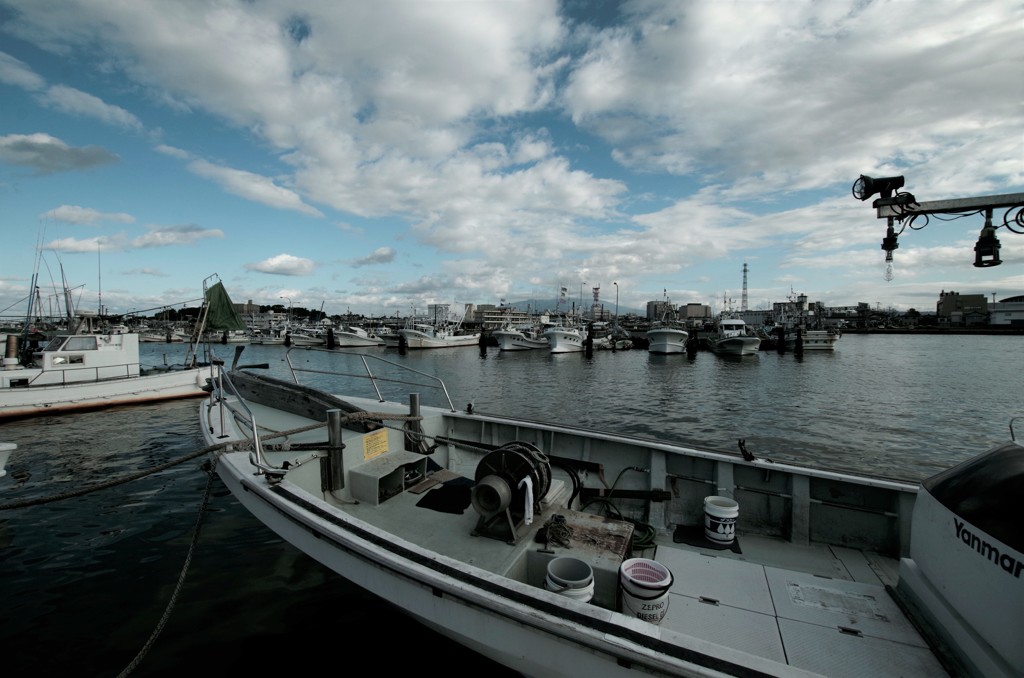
211 467
114 482
121 480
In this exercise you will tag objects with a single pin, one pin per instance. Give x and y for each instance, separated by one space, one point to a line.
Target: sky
378 157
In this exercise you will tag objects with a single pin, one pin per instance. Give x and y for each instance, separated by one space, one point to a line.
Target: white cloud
77 102
283 264
73 214
49 155
253 187
18 73
156 237
381 255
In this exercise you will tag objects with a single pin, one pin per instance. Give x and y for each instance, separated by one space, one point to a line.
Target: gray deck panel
835 603
839 655
741 629
730 582
857 564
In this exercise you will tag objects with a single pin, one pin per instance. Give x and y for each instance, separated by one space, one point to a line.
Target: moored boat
423 335
566 338
88 370
812 340
521 337
304 338
667 338
351 336
459 517
732 338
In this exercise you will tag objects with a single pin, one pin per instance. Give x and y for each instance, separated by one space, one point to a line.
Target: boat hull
562 340
814 340
17 402
735 346
415 339
667 341
349 340
518 341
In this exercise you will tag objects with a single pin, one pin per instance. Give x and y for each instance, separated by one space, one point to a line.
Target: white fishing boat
732 338
803 329
228 337
667 335
444 335
667 338
566 338
525 337
351 336
561 551
812 340
272 337
304 337
88 370
156 337
389 335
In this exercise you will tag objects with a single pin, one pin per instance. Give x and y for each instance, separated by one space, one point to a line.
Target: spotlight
889 244
865 186
986 251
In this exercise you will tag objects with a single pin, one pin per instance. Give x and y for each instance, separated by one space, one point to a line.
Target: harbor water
158 577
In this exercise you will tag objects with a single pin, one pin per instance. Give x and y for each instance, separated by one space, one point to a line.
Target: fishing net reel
510 482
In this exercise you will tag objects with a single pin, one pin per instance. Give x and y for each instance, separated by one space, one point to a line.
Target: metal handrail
64 371
224 379
369 375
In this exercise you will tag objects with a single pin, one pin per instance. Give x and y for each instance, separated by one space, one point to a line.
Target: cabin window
81 344
73 359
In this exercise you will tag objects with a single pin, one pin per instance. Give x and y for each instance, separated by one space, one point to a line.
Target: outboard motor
965 573
510 482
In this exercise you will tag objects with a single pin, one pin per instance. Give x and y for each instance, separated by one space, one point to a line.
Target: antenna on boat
99 279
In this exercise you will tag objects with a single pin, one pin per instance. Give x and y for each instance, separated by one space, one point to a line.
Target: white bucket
720 515
644 585
570 577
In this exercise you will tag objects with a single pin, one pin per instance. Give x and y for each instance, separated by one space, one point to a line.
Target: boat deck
816 608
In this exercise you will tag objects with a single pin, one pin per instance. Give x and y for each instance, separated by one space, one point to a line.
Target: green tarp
221 313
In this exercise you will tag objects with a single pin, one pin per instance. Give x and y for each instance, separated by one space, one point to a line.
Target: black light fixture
889 243
897 205
986 251
866 186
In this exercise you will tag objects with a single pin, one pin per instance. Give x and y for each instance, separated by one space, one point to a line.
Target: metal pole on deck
414 443
332 467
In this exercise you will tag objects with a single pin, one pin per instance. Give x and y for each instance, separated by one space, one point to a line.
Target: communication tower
743 301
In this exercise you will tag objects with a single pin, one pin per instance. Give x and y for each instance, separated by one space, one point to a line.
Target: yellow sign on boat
375 444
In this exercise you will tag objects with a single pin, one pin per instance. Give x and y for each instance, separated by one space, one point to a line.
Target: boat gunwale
678 448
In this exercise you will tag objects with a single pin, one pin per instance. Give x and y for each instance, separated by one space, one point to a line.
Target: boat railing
248 420
44 377
375 379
